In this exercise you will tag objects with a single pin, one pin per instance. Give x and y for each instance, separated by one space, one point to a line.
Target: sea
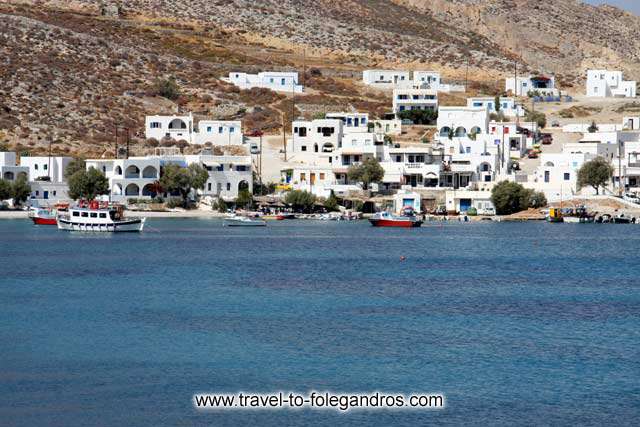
513 323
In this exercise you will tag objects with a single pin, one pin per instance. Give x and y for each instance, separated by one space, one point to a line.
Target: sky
630 5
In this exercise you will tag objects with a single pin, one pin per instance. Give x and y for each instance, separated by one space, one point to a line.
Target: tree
496 101
176 178
20 191
331 204
5 190
538 117
244 199
593 128
87 184
537 199
367 172
74 166
595 173
422 117
168 88
300 200
510 197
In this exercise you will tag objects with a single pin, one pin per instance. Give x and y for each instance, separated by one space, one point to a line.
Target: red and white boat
47 216
385 219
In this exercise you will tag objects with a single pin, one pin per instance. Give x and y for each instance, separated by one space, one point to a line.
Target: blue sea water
515 323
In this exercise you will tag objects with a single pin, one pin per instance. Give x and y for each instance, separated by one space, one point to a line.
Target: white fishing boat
99 218
244 221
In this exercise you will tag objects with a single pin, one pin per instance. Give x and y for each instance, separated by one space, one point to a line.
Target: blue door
465 204
46 194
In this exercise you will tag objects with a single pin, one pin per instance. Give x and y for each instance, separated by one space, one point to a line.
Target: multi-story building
605 83
45 176
274 80
414 99
399 79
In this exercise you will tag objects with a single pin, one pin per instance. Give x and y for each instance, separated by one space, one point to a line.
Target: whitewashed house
506 105
414 99
46 178
216 132
525 85
386 79
9 168
605 84
273 80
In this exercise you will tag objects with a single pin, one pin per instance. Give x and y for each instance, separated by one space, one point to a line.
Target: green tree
537 199
595 173
536 116
496 101
20 191
593 128
244 199
5 190
510 197
168 88
331 204
300 200
220 206
419 117
74 166
367 172
87 184
176 178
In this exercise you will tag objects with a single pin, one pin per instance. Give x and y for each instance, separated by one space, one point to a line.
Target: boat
406 219
284 216
555 215
100 217
47 216
244 221
621 219
579 215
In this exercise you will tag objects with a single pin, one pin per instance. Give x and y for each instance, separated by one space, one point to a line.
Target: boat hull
44 221
133 225
253 223
406 223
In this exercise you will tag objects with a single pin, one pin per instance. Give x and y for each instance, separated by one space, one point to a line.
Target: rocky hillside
72 73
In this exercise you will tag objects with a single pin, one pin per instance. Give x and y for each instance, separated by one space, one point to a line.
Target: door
46 194
312 178
465 204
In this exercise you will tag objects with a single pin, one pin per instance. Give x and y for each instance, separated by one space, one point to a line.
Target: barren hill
71 75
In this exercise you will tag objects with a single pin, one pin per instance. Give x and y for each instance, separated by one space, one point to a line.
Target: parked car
629 197
532 154
555 124
254 149
547 138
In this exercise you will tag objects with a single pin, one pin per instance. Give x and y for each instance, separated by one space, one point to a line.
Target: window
271 80
241 168
209 186
567 176
54 192
76 213
411 158
303 176
104 169
209 129
228 186
398 158
85 214
232 129
282 82
155 125
35 167
420 158
220 129
546 176
94 214
220 168
44 167
321 176
356 158
303 148
302 131
363 120
37 193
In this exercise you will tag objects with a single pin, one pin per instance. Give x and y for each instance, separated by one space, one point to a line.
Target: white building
216 132
461 201
135 178
525 85
605 84
9 168
507 106
386 79
461 121
274 80
45 176
414 99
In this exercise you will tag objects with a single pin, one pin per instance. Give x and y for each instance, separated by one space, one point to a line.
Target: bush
168 88
510 197
536 116
300 200
422 117
174 203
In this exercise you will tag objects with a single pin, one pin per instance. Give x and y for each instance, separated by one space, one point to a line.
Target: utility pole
466 77
127 130
620 168
284 138
260 163
304 67
49 166
116 142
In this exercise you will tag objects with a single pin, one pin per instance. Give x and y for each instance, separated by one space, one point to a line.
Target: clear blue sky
630 5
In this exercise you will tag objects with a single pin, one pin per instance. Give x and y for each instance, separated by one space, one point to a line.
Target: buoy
402 258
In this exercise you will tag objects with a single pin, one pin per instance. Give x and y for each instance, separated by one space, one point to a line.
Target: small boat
244 221
284 216
47 216
579 215
386 219
621 219
555 215
101 217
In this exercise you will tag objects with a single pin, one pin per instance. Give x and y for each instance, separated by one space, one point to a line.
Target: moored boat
386 219
47 216
99 217
578 215
244 221
284 216
555 215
